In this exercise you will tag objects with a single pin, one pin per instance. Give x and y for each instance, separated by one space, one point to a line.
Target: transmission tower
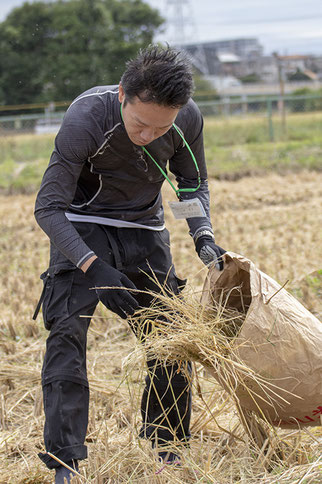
180 21
182 30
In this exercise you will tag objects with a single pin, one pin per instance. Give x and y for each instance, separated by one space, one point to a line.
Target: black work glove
120 301
210 252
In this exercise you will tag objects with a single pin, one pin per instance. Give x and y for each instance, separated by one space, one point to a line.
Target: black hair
159 75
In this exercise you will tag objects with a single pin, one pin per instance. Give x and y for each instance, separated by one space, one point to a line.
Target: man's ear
121 93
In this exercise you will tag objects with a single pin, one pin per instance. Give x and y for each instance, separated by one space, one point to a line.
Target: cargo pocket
57 284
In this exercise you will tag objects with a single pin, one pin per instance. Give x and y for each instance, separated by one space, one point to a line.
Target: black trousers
166 401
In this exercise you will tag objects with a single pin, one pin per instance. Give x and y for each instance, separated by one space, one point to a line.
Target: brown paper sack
279 340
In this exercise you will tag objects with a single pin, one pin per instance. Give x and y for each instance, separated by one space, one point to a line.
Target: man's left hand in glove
207 250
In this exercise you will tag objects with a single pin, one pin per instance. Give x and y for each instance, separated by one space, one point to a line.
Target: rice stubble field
276 222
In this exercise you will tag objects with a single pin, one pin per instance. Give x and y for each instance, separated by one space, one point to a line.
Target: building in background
240 65
223 56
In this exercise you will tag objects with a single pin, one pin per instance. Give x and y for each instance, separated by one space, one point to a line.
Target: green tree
22 54
204 90
54 51
250 78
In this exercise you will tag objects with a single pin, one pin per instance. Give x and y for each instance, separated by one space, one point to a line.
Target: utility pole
281 81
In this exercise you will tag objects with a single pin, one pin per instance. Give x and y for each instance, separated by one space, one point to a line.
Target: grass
273 220
237 161
310 290
24 159
253 128
235 147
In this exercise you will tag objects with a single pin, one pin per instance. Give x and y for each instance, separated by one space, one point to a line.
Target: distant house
264 67
293 63
227 63
217 58
314 64
296 68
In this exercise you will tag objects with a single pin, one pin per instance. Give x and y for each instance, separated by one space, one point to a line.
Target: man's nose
147 135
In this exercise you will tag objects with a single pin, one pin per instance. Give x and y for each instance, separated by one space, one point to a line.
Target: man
100 204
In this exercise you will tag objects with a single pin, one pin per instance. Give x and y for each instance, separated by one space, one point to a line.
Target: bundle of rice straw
182 329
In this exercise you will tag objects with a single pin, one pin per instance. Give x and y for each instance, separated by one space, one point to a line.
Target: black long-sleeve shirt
96 171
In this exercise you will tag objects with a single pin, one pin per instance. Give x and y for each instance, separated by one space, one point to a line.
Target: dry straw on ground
182 329
274 221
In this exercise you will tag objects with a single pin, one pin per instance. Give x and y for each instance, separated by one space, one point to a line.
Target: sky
283 26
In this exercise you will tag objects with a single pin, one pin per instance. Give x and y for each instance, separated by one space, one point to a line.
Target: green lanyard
177 190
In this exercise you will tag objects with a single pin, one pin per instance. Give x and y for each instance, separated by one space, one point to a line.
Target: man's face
145 122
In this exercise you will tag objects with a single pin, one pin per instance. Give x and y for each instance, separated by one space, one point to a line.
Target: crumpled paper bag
280 340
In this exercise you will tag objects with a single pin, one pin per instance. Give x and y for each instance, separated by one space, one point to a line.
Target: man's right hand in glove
208 250
119 300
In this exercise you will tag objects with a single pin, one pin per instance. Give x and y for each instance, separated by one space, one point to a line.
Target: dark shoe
64 475
169 458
